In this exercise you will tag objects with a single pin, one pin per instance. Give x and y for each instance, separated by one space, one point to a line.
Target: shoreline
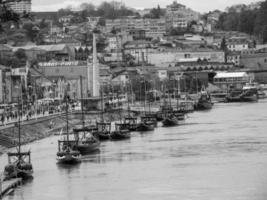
39 129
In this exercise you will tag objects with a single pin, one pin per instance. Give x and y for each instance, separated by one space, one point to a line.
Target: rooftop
231 74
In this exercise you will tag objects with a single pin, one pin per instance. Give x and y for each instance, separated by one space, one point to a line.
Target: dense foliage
107 10
155 13
251 21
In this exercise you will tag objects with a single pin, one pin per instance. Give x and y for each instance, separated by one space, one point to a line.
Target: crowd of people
12 114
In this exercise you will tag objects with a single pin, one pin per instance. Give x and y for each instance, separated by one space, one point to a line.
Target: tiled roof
54 47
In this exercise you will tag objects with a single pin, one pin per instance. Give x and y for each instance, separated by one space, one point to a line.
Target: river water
217 155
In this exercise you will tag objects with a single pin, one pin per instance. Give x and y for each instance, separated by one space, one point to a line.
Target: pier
7 186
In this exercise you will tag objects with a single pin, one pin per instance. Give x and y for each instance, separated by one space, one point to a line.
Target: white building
20 6
237 44
225 80
167 57
178 16
153 27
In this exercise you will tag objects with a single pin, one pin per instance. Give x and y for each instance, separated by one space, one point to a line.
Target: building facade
227 80
168 57
20 6
153 27
237 44
178 16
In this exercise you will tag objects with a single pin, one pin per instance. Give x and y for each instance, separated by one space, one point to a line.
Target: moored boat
131 123
204 101
147 123
19 163
67 154
170 120
248 93
103 130
121 132
86 142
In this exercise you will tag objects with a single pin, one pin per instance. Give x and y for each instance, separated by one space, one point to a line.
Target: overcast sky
197 5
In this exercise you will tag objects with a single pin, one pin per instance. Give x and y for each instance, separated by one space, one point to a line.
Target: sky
197 5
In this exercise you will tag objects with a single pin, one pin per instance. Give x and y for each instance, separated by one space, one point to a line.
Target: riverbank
42 128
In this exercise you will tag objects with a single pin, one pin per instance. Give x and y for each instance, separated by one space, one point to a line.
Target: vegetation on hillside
250 21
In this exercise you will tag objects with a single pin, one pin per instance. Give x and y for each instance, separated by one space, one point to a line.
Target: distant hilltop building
178 16
19 6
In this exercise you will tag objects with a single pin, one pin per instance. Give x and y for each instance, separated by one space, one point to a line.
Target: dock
6 186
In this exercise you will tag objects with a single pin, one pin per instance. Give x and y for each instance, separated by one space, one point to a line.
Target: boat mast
19 132
170 104
196 82
20 113
164 101
102 107
145 96
67 119
81 89
178 91
128 100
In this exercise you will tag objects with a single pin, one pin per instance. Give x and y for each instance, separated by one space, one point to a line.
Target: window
265 60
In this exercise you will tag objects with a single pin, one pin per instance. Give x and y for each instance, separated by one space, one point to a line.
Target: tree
31 31
6 14
155 13
43 24
20 54
89 7
260 21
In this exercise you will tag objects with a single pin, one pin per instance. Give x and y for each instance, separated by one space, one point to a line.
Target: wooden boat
19 163
150 117
179 115
204 101
121 132
86 142
67 154
170 120
161 113
103 130
147 123
131 123
246 94
218 97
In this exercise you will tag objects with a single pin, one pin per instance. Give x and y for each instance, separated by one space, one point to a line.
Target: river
217 155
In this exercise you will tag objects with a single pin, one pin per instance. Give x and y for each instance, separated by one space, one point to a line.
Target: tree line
250 21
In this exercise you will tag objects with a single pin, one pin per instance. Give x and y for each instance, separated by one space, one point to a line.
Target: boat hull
18 173
145 127
68 158
253 98
169 122
102 136
120 135
86 149
204 106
